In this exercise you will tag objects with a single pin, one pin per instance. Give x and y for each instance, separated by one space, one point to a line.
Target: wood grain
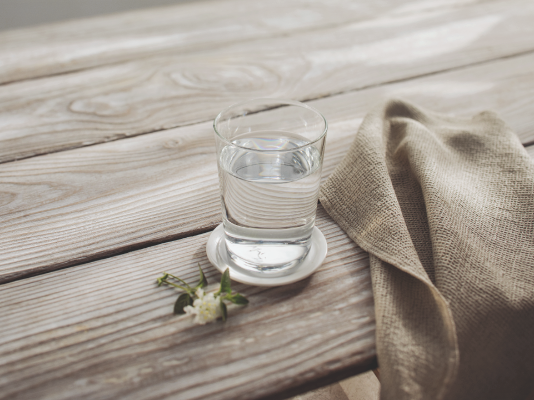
147 95
74 45
104 330
77 206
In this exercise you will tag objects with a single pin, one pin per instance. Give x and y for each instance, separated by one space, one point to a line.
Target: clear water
269 200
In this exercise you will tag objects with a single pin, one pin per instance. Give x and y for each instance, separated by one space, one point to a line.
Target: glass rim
277 102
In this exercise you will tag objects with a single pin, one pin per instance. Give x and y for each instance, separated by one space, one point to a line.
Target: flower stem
181 280
187 289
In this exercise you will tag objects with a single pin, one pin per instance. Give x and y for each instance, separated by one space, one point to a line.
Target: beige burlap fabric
445 207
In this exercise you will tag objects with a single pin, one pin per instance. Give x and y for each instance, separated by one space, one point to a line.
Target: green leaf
237 299
226 284
183 300
224 312
203 282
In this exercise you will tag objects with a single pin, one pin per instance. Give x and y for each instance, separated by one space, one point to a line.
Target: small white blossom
206 308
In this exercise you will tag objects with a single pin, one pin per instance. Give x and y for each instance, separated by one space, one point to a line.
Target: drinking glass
270 156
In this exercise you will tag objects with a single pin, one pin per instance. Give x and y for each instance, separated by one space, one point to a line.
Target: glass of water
270 155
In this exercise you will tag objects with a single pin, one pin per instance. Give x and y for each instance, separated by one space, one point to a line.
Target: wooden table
108 177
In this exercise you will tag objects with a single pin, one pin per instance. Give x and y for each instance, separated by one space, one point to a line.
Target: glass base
258 254
267 252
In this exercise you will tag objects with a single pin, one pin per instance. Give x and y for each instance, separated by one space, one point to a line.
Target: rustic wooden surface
149 94
85 230
76 206
104 330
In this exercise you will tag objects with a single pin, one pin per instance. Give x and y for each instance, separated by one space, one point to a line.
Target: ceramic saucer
218 256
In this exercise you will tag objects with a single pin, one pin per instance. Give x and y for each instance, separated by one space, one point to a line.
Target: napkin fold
445 208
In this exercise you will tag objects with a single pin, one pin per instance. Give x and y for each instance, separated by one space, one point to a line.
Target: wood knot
103 106
226 78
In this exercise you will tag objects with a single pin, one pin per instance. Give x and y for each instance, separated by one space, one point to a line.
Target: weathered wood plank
113 102
79 44
77 206
104 330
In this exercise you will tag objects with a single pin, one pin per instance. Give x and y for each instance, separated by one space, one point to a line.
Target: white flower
206 307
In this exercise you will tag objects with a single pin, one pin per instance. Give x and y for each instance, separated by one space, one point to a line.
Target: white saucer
307 267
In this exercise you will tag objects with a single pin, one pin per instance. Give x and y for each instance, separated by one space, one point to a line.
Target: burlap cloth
445 208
